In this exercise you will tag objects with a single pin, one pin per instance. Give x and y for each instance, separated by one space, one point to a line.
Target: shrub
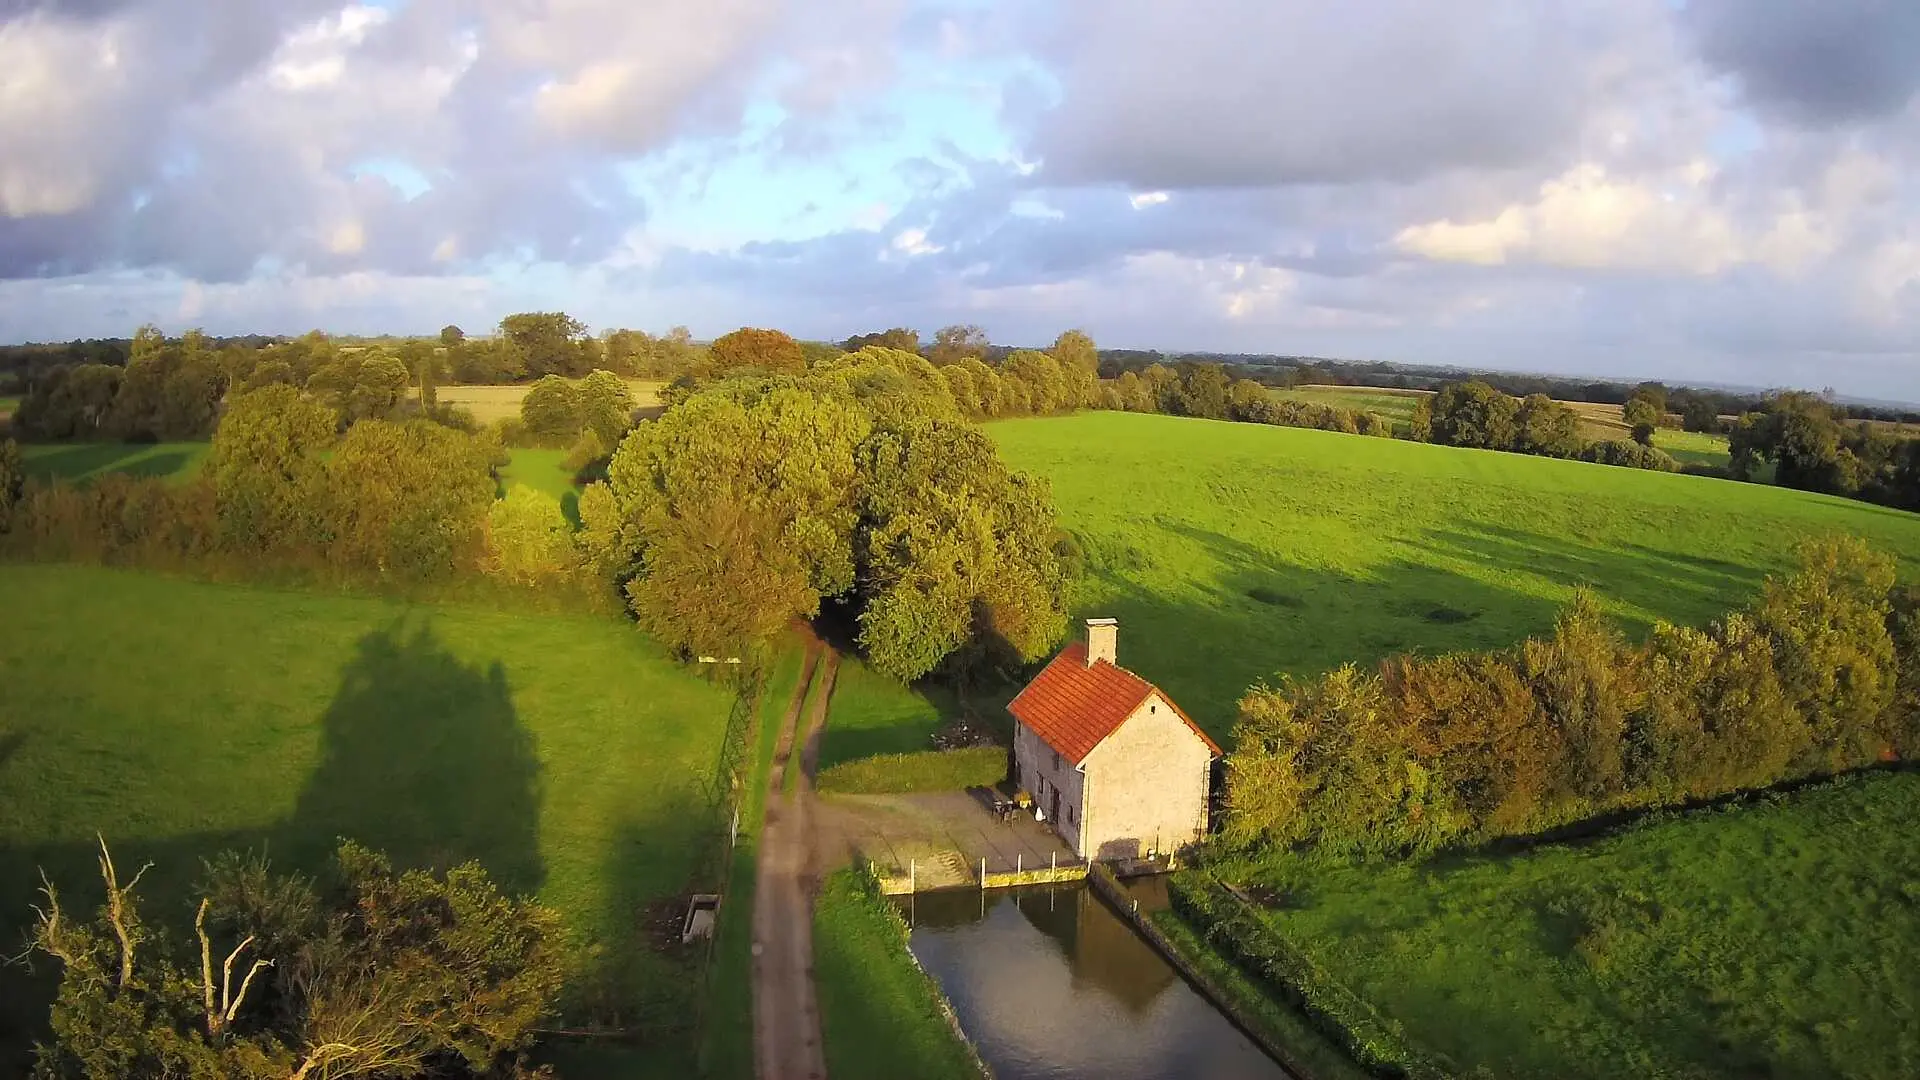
528 540
13 477
1630 454
1819 676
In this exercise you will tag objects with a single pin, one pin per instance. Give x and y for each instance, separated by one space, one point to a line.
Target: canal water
1051 985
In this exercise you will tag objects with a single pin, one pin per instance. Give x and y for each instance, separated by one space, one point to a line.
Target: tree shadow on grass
422 756
82 461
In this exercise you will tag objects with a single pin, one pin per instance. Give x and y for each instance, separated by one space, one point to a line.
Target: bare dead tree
124 927
220 1014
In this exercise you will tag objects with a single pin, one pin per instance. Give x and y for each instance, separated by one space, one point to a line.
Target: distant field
180 718
1597 420
1778 940
85 461
490 403
1230 552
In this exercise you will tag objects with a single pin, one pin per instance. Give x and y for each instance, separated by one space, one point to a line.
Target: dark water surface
1052 985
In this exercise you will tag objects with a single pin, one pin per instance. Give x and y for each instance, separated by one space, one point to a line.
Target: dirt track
786 1017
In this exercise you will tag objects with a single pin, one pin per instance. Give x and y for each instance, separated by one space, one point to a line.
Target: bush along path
786 1015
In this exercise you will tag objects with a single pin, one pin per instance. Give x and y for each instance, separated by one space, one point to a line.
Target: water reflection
1052 985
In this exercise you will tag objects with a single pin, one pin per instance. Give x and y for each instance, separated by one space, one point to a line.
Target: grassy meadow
1779 939
82 461
180 718
1231 552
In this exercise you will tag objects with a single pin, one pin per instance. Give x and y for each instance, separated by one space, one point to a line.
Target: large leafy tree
736 509
408 499
546 342
1473 414
750 350
268 471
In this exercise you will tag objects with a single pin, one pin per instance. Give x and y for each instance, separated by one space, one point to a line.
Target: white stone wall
1146 786
1039 770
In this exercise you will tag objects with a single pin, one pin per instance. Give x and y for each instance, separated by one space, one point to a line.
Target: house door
1053 811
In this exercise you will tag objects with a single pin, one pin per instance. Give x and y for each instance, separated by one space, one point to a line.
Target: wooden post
1020 863
983 871
913 884
1053 860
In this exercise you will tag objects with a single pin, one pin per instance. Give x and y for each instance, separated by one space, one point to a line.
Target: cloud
1814 63
1254 92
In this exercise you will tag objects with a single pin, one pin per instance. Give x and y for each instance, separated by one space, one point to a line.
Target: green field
180 718
1230 551
1694 447
873 714
1778 940
879 1013
1393 405
84 461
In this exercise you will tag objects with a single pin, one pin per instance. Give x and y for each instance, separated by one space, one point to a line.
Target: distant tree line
1813 447
1821 674
1474 414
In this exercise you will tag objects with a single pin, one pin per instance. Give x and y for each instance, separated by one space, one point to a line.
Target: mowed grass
1780 939
872 714
1230 552
178 718
541 470
83 461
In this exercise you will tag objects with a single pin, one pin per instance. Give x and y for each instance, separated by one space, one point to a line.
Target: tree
551 411
952 344
1638 411
1700 415
1045 385
381 974
956 555
1079 365
753 351
737 514
546 342
1654 394
13 476
1643 433
452 336
1203 391
427 367
369 385
408 499
1544 426
528 540
897 338
267 468
605 406
1473 414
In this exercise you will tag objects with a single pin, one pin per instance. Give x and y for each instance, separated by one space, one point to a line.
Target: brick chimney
1102 637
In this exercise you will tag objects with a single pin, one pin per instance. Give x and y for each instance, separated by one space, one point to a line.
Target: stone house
1113 764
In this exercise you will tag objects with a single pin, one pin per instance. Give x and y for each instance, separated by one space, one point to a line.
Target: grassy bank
87 460
1257 1006
180 718
1778 939
927 770
879 1013
1234 551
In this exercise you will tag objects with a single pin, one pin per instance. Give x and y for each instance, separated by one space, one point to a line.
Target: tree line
1819 675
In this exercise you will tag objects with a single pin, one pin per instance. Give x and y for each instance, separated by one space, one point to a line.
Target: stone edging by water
1107 888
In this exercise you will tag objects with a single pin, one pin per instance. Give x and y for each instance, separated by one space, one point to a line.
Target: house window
1069 813
1056 761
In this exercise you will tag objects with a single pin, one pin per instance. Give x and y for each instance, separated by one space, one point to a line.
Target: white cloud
1144 199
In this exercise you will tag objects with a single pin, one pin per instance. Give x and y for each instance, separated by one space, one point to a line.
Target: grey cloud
1254 92
1814 61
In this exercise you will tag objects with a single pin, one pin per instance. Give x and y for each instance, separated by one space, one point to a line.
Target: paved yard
944 836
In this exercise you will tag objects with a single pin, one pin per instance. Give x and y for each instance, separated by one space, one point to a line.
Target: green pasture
1232 552
1694 447
82 461
1780 939
567 754
1392 405
873 714
541 470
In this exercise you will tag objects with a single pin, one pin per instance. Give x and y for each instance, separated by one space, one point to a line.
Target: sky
1721 191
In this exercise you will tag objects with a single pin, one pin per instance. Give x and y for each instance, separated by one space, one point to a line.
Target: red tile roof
1072 707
